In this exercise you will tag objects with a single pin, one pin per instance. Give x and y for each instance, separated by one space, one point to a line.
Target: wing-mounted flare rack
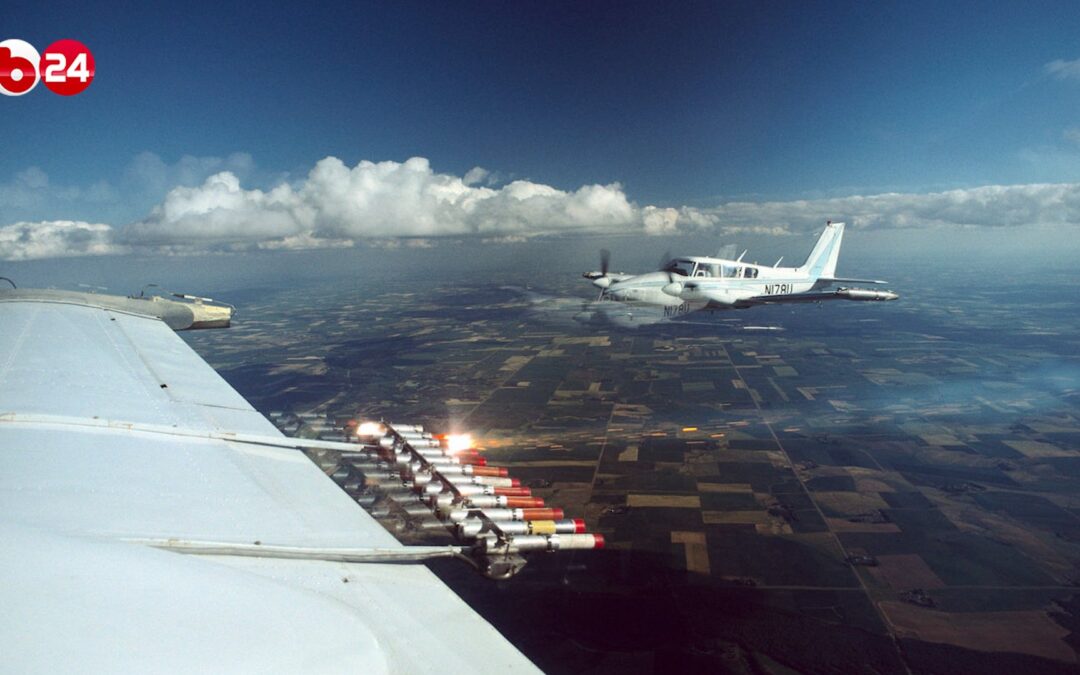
480 505
413 481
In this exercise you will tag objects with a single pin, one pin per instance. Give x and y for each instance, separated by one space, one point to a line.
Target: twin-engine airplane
695 283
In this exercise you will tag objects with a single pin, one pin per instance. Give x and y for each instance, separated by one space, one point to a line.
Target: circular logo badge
18 67
67 67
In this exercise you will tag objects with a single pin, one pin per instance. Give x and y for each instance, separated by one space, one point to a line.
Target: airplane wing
842 280
819 296
118 445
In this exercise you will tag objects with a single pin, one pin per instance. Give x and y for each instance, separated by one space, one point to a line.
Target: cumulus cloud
408 203
32 194
384 199
987 206
660 221
31 191
149 174
1063 70
55 239
475 175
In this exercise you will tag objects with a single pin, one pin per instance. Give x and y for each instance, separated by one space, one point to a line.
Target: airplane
154 521
695 283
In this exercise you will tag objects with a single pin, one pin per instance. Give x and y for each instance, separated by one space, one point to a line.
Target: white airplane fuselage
694 283
649 288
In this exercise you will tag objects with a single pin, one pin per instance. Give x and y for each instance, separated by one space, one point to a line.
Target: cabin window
730 271
751 273
681 267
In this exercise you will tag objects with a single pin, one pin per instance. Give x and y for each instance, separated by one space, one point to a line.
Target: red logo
18 67
67 67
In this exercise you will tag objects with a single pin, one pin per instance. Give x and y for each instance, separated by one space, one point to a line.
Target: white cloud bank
336 205
384 199
56 239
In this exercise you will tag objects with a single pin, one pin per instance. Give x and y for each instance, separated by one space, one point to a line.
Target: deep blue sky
683 103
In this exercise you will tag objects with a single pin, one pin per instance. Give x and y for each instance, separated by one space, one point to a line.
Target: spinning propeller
601 279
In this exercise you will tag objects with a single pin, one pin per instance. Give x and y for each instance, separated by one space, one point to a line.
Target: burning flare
370 429
456 443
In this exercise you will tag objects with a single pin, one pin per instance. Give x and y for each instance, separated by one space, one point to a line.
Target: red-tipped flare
489 471
599 541
524 502
542 514
475 460
579 526
513 491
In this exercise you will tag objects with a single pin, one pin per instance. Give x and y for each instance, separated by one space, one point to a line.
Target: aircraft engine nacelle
675 288
602 282
866 295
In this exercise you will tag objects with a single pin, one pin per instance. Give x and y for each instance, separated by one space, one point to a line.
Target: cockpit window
681 267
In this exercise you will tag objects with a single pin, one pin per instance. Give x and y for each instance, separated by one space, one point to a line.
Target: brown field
664 501
724 487
735 517
697 555
850 503
1027 632
905 571
1038 449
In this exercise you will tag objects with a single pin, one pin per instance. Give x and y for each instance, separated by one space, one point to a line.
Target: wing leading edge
111 429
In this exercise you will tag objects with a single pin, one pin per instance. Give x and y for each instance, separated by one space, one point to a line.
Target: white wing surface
107 424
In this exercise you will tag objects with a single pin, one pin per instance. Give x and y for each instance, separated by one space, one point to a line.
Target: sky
221 127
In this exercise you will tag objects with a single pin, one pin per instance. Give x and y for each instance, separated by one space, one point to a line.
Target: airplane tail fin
822 260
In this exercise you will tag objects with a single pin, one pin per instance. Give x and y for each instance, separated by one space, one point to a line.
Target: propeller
603 280
672 287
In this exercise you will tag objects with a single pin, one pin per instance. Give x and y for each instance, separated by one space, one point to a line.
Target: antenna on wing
739 259
777 263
